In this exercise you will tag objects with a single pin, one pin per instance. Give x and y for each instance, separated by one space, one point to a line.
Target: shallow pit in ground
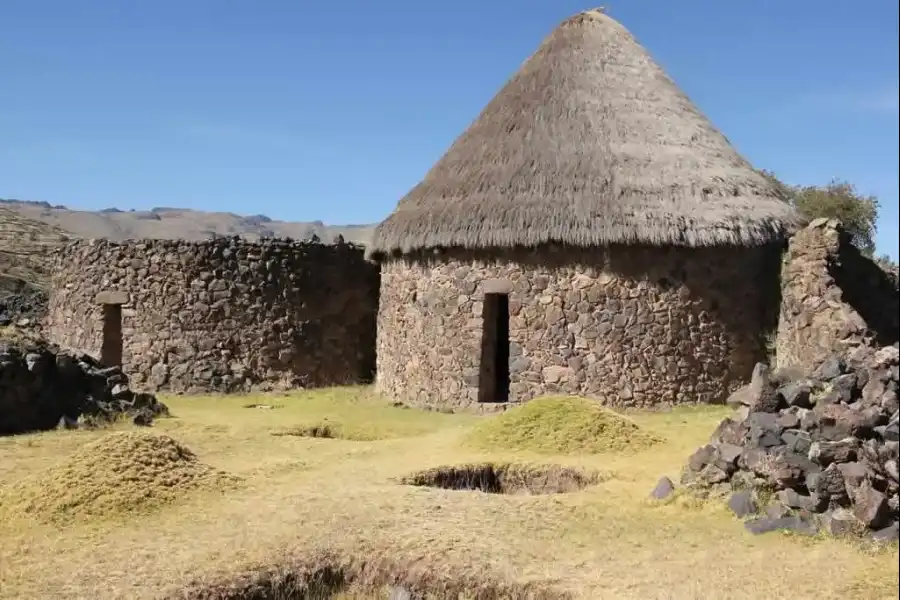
371 578
505 478
326 431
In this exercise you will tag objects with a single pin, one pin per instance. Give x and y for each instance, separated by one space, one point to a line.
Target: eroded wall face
631 326
223 315
834 299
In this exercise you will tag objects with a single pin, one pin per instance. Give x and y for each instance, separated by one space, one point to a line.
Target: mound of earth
561 425
124 472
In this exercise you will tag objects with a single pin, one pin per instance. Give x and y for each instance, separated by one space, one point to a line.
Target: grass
312 513
560 425
12 333
121 474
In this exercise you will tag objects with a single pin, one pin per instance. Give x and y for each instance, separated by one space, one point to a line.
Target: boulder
664 488
742 503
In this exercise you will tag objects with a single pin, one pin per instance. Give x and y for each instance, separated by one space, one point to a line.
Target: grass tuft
561 425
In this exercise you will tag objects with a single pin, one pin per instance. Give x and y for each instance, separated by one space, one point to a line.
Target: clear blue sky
332 110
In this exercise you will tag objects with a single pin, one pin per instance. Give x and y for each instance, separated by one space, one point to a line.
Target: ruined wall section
630 326
834 299
222 315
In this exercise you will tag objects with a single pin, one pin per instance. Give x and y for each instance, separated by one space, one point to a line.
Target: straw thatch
590 143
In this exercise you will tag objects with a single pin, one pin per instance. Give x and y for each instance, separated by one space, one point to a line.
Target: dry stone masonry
810 453
632 327
42 387
833 298
220 315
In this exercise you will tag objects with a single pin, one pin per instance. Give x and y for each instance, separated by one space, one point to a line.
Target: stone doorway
111 350
493 380
112 343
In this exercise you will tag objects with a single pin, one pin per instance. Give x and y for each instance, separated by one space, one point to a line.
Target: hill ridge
30 230
163 222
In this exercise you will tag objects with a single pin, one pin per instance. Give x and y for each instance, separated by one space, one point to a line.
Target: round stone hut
220 315
590 233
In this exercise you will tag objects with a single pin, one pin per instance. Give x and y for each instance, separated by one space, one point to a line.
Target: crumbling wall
834 299
222 315
42 387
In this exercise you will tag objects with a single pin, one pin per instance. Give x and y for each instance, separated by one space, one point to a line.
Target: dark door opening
111 349
493 380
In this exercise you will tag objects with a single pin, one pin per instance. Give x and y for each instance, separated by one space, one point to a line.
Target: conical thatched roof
590 143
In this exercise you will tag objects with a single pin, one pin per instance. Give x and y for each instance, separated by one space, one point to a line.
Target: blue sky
333 110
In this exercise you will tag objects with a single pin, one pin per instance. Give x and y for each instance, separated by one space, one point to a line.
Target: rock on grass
561 425
125 472
831 455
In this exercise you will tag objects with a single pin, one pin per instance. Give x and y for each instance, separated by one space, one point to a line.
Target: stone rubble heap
43 387
21 304
811 453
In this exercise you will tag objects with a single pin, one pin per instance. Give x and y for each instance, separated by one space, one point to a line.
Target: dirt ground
324 509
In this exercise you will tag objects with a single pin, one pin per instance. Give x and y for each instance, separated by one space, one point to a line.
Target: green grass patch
561 425
350 413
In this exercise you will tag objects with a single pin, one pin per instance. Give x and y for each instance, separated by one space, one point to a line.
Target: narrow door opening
493 384
111 349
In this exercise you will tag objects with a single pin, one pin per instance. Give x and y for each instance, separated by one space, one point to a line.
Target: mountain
175 223
29 231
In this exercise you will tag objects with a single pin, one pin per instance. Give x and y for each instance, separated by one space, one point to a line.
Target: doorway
111 348
493 380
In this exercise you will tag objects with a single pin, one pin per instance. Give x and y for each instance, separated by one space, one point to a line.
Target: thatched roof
590 143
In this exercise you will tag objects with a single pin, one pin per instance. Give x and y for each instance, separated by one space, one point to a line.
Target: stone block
111 297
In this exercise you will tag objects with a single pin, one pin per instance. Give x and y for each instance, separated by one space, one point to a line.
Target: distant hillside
176 223
25 249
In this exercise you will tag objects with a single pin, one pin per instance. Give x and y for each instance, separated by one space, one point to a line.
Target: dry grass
121 473
327 510
561 425
20 335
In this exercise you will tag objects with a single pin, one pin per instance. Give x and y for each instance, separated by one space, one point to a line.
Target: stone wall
631 326
222 315
834 299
